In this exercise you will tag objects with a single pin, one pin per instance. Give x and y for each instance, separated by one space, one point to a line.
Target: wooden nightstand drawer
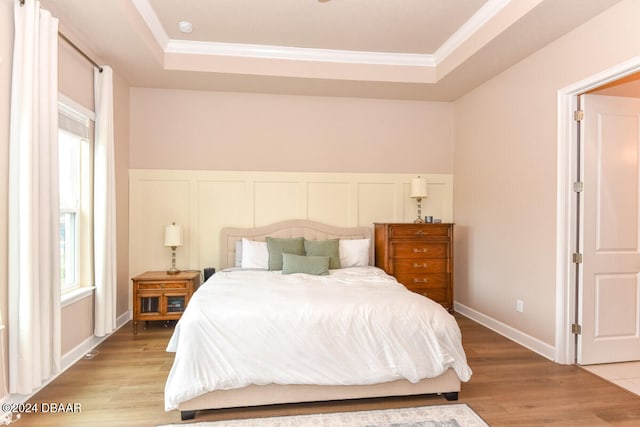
162 285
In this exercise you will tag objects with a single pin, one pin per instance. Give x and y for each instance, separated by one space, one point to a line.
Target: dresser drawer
426 280
162 285
419 250
439 295
416 231
417 267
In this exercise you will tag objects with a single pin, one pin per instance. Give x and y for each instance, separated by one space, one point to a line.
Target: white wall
505 162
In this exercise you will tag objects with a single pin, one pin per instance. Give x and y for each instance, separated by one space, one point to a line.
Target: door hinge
576 329
578 115
577 258
578 186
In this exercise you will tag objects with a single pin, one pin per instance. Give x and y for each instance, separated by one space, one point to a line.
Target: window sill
76 295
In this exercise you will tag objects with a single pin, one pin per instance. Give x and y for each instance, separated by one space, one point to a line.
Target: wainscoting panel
329 202
154 204
437 204
202 202
219 204
274 198
378 202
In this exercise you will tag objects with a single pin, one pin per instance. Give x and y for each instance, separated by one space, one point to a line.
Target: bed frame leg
451 395
187 415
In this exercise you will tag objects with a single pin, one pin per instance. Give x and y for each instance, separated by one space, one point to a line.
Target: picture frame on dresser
420 256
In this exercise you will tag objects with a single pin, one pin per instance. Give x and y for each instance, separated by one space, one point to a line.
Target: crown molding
145 10
298 54
483 16
185 47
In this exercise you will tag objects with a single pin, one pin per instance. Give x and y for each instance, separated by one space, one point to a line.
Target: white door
609 309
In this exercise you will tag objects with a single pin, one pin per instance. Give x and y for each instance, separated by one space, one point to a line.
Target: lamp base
173 269
419 219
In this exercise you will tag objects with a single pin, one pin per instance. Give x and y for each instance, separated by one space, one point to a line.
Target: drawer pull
423 265
420 250
425 294
420 280
419 233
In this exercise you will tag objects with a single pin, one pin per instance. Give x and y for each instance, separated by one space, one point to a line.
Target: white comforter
354 326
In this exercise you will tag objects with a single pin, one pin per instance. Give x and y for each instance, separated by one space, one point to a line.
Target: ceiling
399 49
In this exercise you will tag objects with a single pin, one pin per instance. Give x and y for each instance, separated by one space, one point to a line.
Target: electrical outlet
519 306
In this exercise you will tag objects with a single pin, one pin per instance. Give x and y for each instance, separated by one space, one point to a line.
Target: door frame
566 210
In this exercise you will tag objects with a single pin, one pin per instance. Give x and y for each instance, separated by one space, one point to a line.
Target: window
75 160
69 182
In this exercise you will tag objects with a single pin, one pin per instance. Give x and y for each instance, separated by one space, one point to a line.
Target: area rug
453 415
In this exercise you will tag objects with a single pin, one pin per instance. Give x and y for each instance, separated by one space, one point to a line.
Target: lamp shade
173 235
418 187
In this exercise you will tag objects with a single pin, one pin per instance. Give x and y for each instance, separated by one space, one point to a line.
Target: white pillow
254 254
238 260
354 252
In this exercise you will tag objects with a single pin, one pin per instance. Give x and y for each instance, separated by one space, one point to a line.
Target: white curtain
104 205
34 219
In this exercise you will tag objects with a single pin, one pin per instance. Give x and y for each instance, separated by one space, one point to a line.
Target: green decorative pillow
330 248
309 264
277 247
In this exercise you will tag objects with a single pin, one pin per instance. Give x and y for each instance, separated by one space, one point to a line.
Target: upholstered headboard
293 228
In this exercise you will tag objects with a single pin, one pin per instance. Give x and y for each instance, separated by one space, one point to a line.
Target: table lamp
173 239
418 191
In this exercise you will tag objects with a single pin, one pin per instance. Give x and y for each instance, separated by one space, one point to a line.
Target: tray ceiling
402 49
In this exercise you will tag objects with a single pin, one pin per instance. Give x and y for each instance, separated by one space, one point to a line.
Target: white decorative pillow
254 254
354 252
238 248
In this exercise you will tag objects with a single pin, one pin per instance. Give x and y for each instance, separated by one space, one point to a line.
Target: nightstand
158 295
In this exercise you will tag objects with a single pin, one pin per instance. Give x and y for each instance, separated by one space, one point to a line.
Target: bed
337 333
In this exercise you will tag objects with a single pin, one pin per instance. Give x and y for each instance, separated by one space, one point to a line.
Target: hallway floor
626 375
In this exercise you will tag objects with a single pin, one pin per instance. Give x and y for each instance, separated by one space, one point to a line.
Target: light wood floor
123 386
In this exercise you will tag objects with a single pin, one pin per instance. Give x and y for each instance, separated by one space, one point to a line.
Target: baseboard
507 331
6 418
123 318
70 358
77 353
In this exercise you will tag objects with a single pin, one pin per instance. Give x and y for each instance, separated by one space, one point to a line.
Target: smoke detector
185 27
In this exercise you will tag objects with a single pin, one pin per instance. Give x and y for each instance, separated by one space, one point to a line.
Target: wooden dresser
161 296
420 256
